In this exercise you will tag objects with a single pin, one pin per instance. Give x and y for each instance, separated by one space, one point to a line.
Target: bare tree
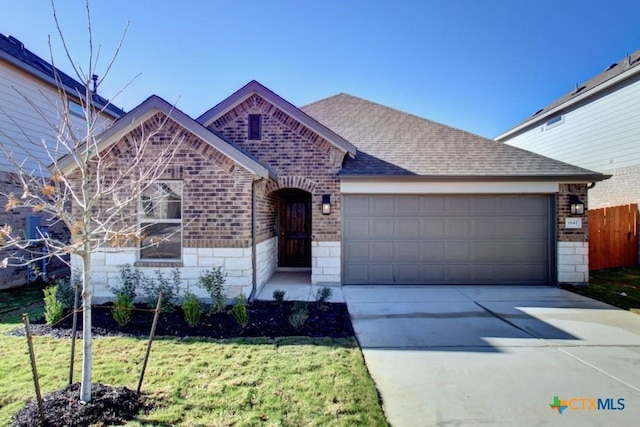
93 189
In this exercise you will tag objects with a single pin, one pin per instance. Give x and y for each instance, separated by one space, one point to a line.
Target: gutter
586 178
254 261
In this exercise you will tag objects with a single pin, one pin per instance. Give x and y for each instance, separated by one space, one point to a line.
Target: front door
295 229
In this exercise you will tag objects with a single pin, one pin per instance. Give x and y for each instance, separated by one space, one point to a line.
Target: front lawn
619 287
243 381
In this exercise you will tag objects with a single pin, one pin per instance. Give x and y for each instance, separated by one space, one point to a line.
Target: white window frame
144 221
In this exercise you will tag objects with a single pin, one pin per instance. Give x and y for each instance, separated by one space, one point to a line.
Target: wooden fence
613 237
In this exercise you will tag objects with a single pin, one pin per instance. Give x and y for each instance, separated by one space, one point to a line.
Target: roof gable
614 74
394 143
254 87
155 104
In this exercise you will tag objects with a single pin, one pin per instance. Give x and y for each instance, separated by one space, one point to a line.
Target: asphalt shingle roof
395 143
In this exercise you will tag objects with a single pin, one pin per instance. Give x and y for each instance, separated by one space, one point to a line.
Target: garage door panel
432 227
484 239
407 226
357 228
408 250
383 251
383 227
432 251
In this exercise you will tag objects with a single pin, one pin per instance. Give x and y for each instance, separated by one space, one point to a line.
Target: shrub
191 308
122 308
323 295
66 288
239 310
169 286
53 309
130 280
299 314
278 296
213 281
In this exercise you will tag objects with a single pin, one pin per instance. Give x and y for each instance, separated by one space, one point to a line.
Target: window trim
150 221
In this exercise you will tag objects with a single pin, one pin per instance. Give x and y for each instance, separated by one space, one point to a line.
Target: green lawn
617 286
243 382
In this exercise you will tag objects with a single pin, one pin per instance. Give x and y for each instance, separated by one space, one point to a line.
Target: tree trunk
87 294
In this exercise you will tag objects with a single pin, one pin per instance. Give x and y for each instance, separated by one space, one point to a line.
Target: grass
291 381
619 287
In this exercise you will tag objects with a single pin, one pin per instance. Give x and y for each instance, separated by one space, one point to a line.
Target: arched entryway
294 228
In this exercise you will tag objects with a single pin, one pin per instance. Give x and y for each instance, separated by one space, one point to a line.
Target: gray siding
22 128
601 135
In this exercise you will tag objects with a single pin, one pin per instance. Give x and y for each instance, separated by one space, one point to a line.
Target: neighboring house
353 193
27 79
595 126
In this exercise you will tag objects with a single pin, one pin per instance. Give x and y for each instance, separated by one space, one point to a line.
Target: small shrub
53 309
191 309
278 296
213 281
323 295
239 310
66 288
299 314
130 280
122 307
169 286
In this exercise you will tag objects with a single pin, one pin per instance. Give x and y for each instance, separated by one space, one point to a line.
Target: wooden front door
295 229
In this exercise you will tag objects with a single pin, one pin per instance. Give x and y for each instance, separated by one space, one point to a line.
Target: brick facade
622 188
301 158
573 243
17 218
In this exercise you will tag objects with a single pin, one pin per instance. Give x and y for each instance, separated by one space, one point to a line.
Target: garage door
497 239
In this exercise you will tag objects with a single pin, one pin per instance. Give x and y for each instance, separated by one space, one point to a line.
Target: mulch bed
108 406
116 405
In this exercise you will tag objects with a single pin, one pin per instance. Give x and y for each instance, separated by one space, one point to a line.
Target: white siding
22 127
602 135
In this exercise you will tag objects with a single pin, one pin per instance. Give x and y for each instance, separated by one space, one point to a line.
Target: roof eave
255 87
582 178
593 92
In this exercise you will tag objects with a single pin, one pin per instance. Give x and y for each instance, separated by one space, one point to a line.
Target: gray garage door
497 239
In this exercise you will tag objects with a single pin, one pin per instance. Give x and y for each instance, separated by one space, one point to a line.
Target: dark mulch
116 405
108 406
266 319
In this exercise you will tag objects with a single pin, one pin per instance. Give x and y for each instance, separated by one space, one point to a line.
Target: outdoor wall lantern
326 204
576 206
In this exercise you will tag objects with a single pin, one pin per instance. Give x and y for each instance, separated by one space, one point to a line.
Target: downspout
254 262
591 185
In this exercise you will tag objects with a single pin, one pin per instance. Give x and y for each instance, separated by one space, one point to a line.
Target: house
350 192
595 126
29 106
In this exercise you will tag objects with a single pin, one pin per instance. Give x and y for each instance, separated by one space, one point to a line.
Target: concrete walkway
497 355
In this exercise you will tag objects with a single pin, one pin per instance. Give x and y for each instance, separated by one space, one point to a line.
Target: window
254 126
75 109
554 121
160 213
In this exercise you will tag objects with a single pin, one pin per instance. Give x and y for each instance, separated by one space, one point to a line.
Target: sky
478 65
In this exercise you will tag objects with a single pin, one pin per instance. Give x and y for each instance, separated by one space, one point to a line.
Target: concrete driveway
471 355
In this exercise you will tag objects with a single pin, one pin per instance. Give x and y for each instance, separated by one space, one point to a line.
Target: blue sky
479 65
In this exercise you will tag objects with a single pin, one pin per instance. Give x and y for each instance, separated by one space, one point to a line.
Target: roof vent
612 66
16 42
537 112
578 89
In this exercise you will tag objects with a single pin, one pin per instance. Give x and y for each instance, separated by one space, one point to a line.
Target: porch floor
297 286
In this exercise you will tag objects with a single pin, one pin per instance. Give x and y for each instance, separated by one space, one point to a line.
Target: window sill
158 264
